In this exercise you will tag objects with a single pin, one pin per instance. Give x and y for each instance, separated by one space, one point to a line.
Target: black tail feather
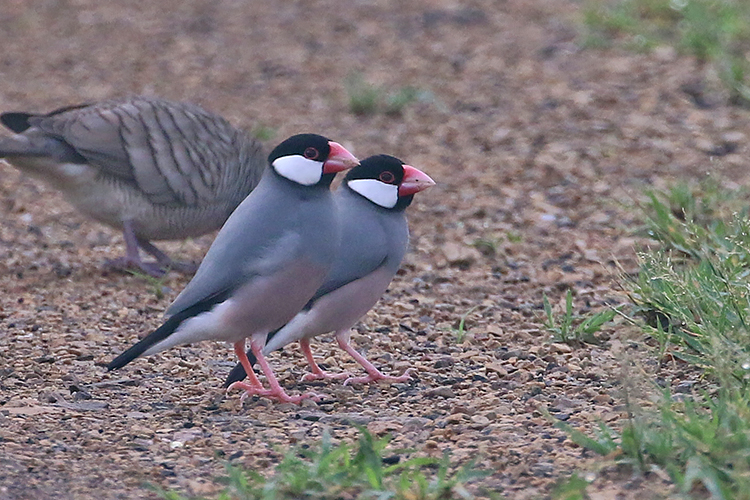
166 330
149 340
17 122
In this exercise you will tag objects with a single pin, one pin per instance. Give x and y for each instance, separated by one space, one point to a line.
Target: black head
387 182
310 159
299 145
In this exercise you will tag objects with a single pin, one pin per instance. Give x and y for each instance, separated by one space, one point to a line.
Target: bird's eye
387 177
311 154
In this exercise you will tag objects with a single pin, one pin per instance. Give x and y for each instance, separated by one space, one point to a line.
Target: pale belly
261 306
335 312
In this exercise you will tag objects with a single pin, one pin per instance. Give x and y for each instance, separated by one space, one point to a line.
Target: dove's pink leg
374 375
317 371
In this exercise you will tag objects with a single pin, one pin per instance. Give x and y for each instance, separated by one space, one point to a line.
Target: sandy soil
539 148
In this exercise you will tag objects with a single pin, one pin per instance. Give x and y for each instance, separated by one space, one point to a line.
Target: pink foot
376 376
316 372
254 386
373 374
323 375
279 395
248 388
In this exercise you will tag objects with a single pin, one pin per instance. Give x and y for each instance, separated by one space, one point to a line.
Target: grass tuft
155 284
363 96
328 472
263 132
693 290
366 99
563 329
572 488
461 329
714 31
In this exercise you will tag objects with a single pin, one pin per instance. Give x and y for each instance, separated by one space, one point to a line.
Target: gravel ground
539 148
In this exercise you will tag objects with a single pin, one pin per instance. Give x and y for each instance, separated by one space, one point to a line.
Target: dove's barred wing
175 153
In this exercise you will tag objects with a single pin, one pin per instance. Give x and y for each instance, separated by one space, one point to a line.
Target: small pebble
445 392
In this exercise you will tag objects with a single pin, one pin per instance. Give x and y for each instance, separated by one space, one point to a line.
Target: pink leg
317 372
374 374
255 387
239 350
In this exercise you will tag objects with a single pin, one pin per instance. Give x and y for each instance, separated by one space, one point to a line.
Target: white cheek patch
380 193
299 169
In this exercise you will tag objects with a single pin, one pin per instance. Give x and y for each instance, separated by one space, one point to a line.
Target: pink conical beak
414 181
339 159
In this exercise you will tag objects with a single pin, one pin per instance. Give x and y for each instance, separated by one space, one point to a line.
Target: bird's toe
310 377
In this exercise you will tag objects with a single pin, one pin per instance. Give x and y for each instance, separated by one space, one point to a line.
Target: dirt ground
539 149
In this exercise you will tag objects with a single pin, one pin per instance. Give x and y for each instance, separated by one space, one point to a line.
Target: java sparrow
266 263
371 202
154 169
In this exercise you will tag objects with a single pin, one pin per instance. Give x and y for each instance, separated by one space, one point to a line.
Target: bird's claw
310 377
248 388
279 395
376 376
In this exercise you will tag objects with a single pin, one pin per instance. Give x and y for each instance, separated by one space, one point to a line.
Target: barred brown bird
155 169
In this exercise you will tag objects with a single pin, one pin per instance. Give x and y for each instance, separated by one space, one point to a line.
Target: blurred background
544 124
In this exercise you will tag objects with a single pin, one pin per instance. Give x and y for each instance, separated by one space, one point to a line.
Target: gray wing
262 234
249 244
370 239
176 153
